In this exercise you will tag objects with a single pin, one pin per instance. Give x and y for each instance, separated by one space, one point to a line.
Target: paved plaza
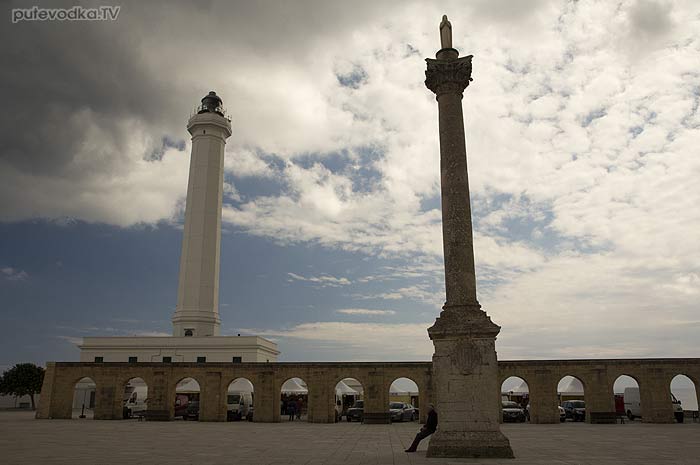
24 440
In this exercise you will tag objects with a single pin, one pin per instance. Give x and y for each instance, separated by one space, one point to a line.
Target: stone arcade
542 376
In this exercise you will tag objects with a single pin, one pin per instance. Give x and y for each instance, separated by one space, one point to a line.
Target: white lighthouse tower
196 324
197 311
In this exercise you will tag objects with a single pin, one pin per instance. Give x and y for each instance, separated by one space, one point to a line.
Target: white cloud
362 341
243 162
71 339
152 334
422 292
12 274
365 311
323 280
106 180
100 330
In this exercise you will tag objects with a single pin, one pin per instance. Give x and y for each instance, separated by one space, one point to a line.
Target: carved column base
465 385
484 444
463 321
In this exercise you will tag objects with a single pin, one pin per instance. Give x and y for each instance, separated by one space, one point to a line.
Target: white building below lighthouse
196 320
231 349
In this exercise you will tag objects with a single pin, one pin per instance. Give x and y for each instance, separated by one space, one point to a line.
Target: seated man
427 429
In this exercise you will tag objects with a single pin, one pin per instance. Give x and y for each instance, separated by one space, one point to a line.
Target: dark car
356 412
192 412
575 409
401 411
512 412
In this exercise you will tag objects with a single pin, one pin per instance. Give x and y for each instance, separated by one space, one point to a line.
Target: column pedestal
465 384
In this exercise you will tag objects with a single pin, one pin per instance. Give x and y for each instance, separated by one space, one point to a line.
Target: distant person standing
299 405
427 429
291 409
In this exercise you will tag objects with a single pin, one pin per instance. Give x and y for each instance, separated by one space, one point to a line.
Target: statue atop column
445 32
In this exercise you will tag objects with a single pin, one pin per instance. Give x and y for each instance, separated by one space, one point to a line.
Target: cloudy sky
582 125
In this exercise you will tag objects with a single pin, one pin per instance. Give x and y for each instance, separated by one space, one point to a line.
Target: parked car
575 409
401 411
192 412
356 412
512 411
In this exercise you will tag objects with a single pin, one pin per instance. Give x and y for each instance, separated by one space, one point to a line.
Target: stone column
655 397
544 399
465 369
376 398
266 400
48 388
105 391
598 392
320 397
161 395
212 397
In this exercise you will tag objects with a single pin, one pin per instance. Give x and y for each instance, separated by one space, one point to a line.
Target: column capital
450 76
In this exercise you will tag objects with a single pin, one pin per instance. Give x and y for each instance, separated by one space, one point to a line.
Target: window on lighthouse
189 332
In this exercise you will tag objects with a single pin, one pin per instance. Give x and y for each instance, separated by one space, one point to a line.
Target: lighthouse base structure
178 349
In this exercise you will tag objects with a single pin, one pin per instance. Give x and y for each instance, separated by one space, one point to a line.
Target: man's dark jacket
431 424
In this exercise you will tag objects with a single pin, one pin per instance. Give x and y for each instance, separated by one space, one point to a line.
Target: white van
239 405
135 401
633 405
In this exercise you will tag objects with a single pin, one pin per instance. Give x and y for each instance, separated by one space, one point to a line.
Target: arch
240 394
187 397
348 398
515 389
134 398
684 396
294 399
84 398
571 391
626 391
404 399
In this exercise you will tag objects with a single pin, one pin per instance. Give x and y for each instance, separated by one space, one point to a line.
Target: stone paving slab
24 440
